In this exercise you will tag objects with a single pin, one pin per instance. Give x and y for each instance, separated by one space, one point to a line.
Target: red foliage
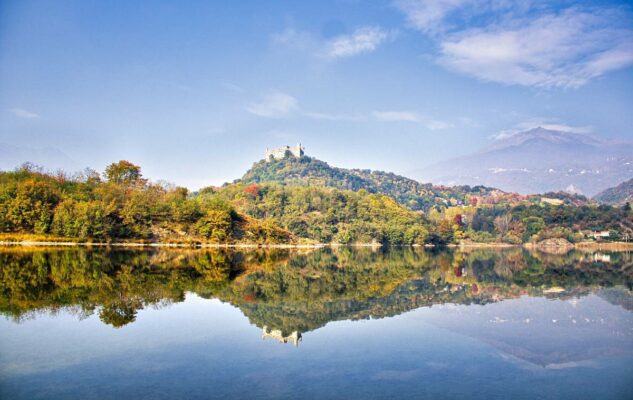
253 190
250 298
457 220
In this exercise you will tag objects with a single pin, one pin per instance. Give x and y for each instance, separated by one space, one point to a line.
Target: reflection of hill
552 334
617 296
290 291
380 284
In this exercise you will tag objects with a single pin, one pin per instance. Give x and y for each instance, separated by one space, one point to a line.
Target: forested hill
121 205
307 171
621 194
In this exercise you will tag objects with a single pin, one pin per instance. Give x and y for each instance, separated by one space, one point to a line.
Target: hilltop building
281 152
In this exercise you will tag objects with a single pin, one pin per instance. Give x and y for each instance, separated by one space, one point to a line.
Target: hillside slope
621 194
330 215
307 171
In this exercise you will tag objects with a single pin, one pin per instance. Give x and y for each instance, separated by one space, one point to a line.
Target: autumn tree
123 172
502 224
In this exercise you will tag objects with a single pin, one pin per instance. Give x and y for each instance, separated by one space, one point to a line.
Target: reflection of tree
289 290
120 314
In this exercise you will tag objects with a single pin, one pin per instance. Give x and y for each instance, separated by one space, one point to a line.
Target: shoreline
70 243
606 246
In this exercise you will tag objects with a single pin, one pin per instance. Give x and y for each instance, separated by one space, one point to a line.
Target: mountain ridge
620 194
537 161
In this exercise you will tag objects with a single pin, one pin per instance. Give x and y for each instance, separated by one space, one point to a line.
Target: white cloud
411 116
539 47
22 113
362 40
365 39
564 50
274 105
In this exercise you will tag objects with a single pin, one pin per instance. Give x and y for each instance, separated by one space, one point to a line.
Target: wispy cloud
294 38
362 40
274 105
282 105
278 105
427 15
411 116
406 116
331 117
540 48
179 86
22 113
232 87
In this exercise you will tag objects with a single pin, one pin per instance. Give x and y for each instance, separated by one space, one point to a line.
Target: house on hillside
600 235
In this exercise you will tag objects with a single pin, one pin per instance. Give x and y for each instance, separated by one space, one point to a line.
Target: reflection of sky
204 348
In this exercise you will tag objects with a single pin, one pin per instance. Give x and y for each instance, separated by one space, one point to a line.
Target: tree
216 225
83 219
30 207
123 172
533 225
502 224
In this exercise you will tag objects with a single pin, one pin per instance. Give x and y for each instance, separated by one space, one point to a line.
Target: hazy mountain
617 195
539 160
49 158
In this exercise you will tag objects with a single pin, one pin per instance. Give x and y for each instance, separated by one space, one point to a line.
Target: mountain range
537 161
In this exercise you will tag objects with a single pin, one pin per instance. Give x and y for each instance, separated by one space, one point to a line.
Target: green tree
216 225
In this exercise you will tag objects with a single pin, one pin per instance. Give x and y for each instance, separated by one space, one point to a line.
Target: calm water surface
81 324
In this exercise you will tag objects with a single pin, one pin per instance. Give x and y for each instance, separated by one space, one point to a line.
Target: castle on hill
277 334
282 152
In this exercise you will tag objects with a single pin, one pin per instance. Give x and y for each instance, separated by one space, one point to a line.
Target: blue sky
195 91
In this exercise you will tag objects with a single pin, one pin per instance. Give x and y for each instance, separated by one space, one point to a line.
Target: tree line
121 205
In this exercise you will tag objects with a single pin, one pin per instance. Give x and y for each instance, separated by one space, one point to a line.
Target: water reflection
179 324
287 293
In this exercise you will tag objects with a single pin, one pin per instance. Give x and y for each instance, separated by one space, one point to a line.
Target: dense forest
307 171
330 215
293 200
121 205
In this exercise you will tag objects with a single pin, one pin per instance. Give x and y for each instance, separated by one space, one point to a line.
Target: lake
328 323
